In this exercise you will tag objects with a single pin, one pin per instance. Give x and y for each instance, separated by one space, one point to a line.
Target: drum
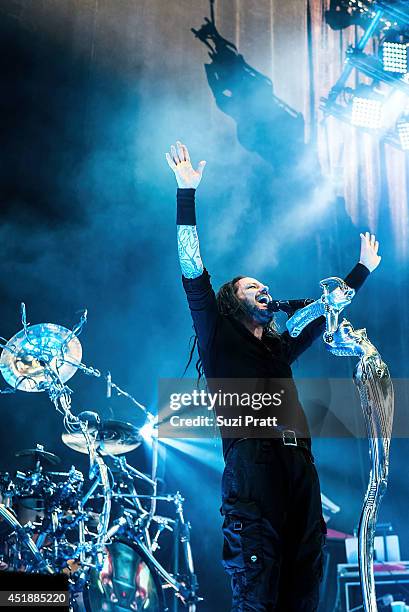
127 581
18 551
29 510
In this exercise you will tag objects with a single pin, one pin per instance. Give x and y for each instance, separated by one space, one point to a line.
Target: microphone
289 306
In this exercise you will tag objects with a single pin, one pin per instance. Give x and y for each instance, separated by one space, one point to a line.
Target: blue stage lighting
148 431
403 131
367 112
395 57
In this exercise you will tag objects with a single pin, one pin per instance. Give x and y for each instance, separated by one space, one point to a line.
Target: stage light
403 131
367 112
374 107
395 57
149 430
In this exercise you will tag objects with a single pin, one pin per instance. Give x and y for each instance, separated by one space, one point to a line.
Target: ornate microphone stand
374 384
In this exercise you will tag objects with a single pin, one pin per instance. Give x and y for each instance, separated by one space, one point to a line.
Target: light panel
366 112
395 57
403 131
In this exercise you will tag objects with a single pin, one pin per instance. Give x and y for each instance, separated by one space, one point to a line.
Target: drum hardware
30 356
39 455
7 488
110 438
163 523
43 358
25 540
124 468
183 588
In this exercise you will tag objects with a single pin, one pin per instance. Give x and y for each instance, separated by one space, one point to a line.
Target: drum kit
97 528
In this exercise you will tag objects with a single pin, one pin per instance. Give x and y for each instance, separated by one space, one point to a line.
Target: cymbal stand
151 418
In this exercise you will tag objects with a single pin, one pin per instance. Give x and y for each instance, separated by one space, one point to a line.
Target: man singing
273 526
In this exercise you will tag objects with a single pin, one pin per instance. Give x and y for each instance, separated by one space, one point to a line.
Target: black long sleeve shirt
228 350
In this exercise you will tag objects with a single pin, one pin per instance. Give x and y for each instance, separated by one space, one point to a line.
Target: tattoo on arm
189 251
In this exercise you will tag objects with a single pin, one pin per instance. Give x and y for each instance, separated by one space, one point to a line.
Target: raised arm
188 180
195 278
369 260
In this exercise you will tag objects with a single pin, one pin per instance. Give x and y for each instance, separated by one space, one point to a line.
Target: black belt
289 438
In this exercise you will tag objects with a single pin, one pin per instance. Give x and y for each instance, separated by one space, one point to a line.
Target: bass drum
127 581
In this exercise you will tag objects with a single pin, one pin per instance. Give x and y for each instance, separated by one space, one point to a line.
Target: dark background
93 94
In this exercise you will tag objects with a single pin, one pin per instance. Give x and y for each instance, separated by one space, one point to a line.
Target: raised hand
179 160
369 251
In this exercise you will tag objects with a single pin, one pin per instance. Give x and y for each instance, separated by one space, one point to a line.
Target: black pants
273 527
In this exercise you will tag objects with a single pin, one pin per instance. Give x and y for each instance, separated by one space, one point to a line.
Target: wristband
186 212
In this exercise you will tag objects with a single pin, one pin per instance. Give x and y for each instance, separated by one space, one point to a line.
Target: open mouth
263 298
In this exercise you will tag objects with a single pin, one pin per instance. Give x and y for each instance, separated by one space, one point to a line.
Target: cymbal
39 454
30 354
112 438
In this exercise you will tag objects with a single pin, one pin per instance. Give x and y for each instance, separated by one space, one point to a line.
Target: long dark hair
228 305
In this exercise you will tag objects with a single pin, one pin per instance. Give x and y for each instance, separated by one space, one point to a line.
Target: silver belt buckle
289 433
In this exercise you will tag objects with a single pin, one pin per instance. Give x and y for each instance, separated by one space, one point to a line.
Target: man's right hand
179 160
